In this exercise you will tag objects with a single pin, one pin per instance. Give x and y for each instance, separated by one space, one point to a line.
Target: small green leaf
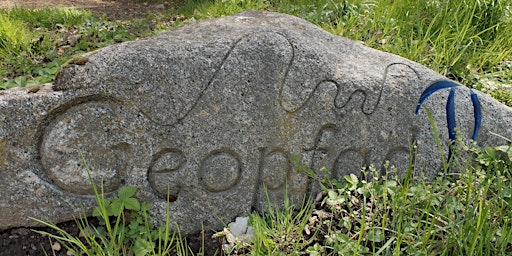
143 247
346 222
376 236
391 183
338 185
131 204
133 225
117 206
506 192
391 186
96 212
145 206
332 194
507 150
20 81
126 192
352 180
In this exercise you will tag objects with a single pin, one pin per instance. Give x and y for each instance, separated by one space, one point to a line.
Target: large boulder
217 113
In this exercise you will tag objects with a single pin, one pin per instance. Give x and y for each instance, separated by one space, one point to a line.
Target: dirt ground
114 10
22 241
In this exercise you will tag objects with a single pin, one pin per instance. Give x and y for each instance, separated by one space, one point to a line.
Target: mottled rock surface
213 113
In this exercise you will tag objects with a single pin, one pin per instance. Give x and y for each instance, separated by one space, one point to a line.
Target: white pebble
56 246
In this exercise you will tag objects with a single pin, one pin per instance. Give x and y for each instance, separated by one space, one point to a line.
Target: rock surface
213 113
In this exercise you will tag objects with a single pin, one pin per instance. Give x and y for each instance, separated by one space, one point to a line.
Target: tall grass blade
437 138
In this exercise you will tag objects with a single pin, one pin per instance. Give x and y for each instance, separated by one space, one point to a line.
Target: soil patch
23 241
112 10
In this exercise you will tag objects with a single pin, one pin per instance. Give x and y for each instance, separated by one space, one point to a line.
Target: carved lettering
220 171
89 129
275 169
165 173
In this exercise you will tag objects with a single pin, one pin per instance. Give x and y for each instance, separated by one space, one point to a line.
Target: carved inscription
164 175
275 168
220 171
236 142
348 161
90 129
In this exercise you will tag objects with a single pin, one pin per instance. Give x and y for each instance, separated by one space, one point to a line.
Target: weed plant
280 230
466 212
124 229
457 213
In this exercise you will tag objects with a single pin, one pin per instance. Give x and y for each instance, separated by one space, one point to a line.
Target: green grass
280 230
463 213
35 43
124 228
29 44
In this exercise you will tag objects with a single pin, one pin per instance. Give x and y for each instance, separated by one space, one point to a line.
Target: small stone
73 39
56 246
226 248
159 6
240 230
239 227
320 196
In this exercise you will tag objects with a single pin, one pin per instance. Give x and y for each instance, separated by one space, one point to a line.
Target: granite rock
214 114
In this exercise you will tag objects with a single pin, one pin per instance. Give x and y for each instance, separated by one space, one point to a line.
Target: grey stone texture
214 113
